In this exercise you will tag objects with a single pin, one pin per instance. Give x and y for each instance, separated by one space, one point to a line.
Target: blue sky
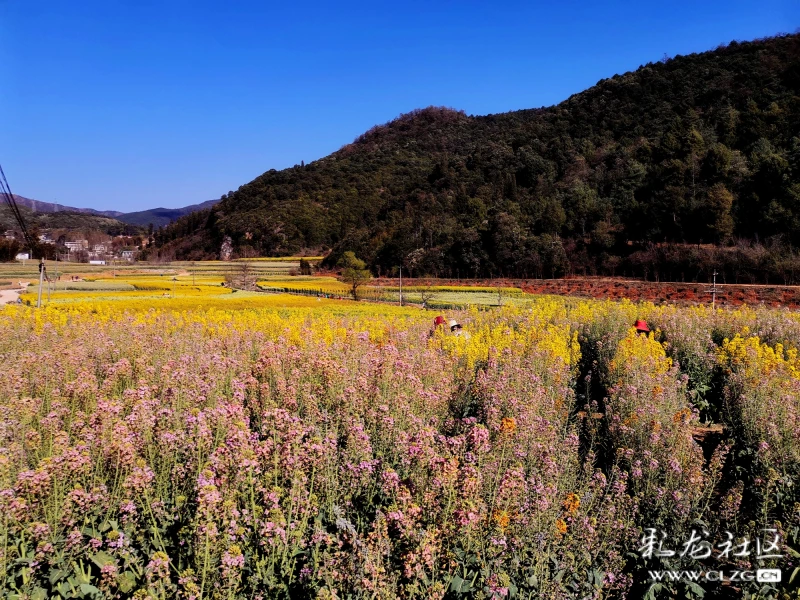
128 105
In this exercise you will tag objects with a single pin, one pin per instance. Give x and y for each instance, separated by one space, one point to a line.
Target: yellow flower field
182 439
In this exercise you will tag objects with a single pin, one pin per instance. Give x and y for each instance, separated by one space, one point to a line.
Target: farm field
434 296
29 270
279 275
205 443
184 281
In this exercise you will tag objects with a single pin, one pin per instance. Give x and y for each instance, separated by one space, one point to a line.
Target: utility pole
41 281
401 285
8 198
714 292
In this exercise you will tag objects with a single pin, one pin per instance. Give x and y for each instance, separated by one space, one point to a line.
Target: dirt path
9 296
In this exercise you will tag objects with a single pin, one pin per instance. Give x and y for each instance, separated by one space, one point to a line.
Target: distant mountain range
49 207
159 217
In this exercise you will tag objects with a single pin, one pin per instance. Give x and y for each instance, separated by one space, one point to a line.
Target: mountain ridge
50 207
159 217
62 219
163 216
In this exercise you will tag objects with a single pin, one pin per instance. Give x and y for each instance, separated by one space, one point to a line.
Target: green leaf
89 589
39 594
696 589
794 574
101 559
81 576
57 574
126 582
459 585
653 590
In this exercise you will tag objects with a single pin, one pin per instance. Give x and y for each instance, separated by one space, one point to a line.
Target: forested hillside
75 221
632 174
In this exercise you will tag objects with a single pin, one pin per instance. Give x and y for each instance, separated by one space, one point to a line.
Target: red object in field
438 321
641 325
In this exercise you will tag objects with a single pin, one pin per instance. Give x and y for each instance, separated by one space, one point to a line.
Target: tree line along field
278 446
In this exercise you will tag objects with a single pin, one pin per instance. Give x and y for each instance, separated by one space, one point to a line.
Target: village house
76 246
100 251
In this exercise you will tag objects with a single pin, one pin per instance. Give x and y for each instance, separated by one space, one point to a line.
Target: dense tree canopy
698 149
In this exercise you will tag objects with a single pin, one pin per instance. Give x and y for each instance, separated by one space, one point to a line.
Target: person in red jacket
437 322
641 327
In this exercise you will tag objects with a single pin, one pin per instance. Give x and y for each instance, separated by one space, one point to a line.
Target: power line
5 189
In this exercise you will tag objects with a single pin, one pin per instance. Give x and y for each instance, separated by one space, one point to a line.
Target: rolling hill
633 174
65 220
49 207
159 217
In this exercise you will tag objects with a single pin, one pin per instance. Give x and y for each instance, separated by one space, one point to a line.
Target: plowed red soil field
635 290
682 293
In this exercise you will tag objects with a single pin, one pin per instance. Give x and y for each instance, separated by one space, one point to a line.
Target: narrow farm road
10 296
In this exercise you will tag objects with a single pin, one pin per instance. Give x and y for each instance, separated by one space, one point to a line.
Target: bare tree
427 294
501 294
241 276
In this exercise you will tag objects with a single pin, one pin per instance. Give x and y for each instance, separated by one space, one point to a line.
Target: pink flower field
334 454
